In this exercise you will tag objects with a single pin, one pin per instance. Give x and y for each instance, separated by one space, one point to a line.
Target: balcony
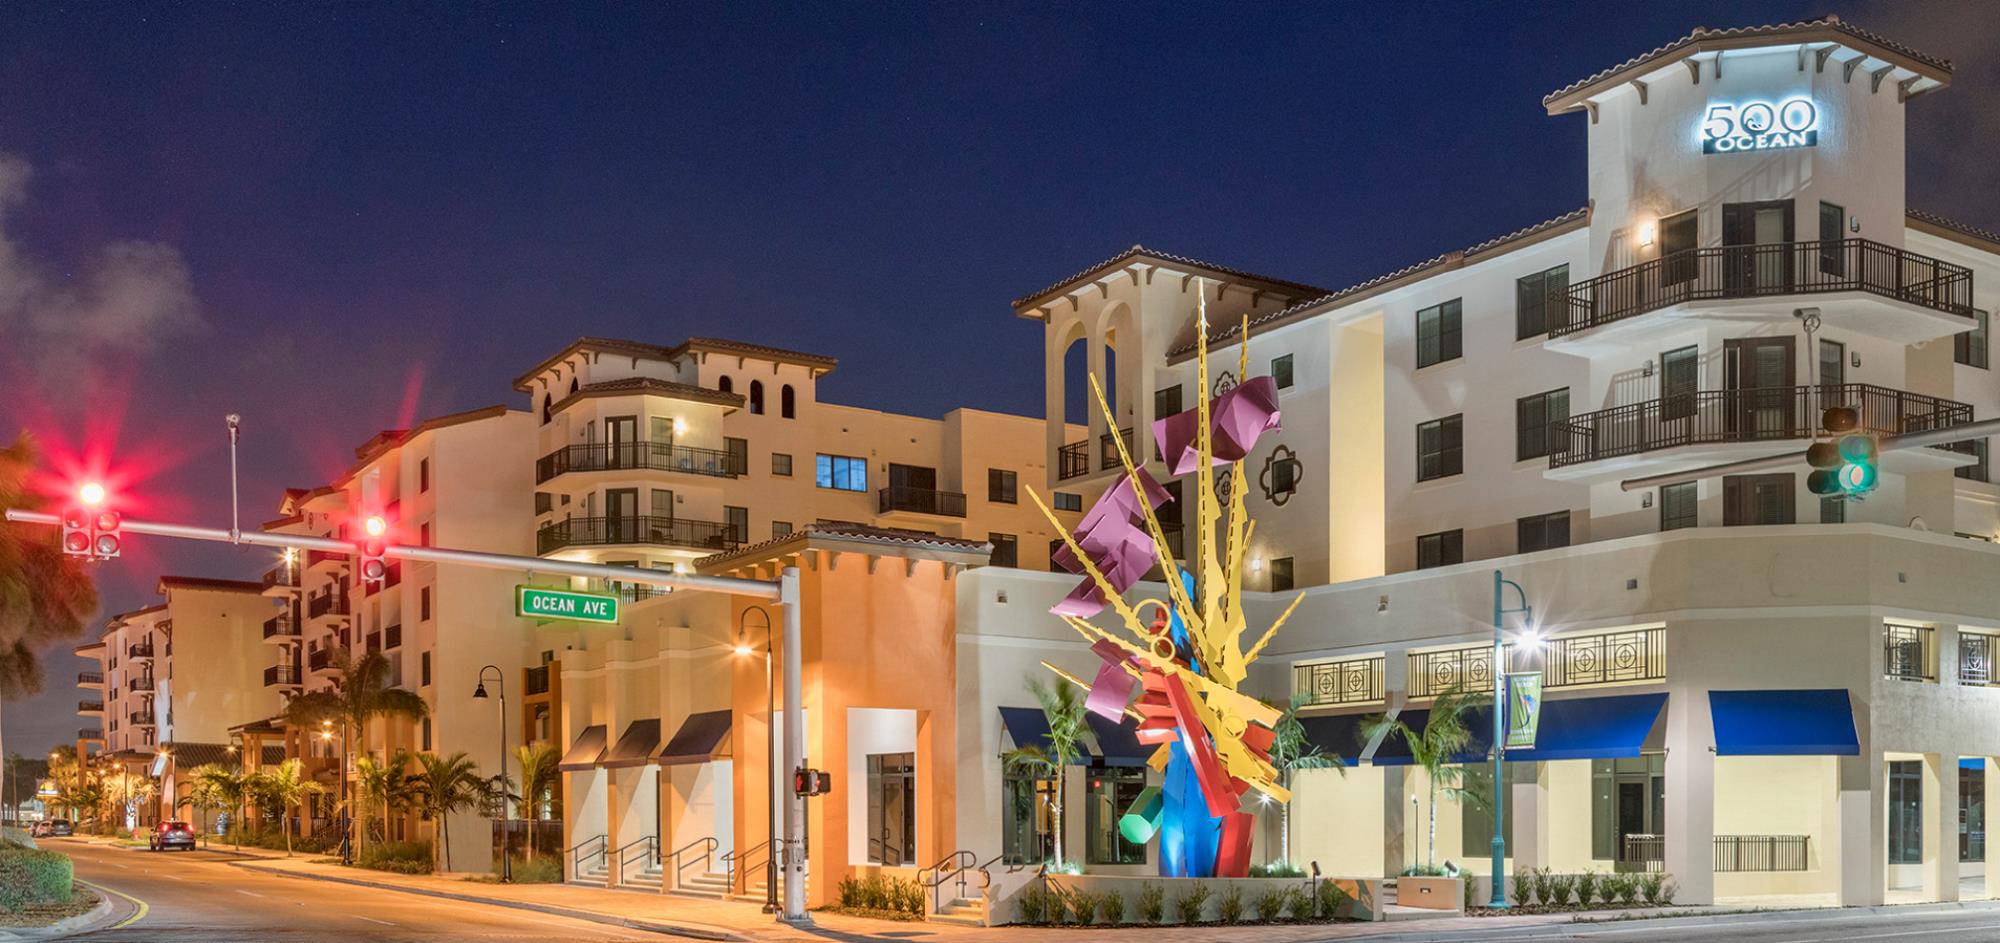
1567 661
281 675
139 650
662 531
141 684
1975 659
392 637
1352 681
1107 450
538 680
327 604
1909 652
320 660
90 733
316 558
90 707
140 719
909 500
90 679
281 628
649 456
1878 290
1724 421
1073 461
282 576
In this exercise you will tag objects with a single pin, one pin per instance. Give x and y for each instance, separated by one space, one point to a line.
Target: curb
694 931
67 925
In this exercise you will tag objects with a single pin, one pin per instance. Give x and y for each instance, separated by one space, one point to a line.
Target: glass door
1761 261
1759 370
621 442
621 515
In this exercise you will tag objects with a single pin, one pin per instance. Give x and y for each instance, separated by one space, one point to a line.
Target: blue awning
1339 735
1118 743
1395 751
1027 727
1810 722
1583 728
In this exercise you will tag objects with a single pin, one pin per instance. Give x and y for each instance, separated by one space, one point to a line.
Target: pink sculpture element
1236 418
1112 689
1113 534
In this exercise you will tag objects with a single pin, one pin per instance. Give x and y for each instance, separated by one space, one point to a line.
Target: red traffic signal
811 782
76 532
92 534
373 567
105 539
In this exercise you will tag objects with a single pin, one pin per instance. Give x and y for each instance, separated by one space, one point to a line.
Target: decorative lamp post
743 650
1500 612
506 826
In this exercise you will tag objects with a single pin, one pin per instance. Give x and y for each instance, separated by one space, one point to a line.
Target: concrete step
961 912
709 886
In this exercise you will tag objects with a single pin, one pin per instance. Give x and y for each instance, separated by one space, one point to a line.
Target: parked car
167 836
53 828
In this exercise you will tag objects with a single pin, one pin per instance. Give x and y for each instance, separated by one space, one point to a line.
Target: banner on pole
1524 709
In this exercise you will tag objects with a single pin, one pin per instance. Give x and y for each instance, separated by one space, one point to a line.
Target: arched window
572 386
725 385
547 403
756 397
788 402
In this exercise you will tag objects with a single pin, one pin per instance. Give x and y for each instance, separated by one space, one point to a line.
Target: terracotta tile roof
658 352
1574 218
686 391
1138 251
204 582
762 351
1963 229
848 530
1692 42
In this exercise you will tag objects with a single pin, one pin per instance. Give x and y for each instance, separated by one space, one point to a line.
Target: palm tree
224 787
360 693
1291 750
45 594
538 782
1065 713
385 785
445 785
287 786
1436 749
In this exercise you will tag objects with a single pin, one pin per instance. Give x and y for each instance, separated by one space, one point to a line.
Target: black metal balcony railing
538 680
89 677
281 674
921 501
316 557
280 626
1173 531
1073 460
140 719
1723 416
90 733
90 707
140 684
327 604
139 650
373 641
1639 655
666 531
1107 450
1354 681
1468 669
392 637
1774 269
1975 659
319 660
284 574
1909 652
655 456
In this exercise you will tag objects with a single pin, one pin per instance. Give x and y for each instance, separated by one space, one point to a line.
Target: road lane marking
373 920
1880 936
137 915
251 893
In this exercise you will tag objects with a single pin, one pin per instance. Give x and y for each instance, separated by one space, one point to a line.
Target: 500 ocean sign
1759 126
537 603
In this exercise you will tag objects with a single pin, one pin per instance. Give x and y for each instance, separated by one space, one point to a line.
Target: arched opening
788 402
725 385
1121 379
572 386
1076 382
548 405
756 397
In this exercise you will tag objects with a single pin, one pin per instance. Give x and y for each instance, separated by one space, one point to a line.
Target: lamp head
479 691
742 649
90 493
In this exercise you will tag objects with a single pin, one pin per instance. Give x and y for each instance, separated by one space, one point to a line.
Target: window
781 465
424 604
1677 506
738 452
738 521
1476 817
1281 574
1906 812
1440 448
1979 470
1540 300
1027 818
1167 402
427 735
1542 532
1438 337
660 430
756 397
1281 371
1972 810
1534 417
547 402
1680 376
1833 510
424 669
1069 501
788 403
1678 235
1002 486
892 808
841 472
423 476
1440 549
1112 790
662 506
1831 260
1969 348
1627 797
726 385
544 502
423 535
1006 549
781 528
1832 363
1757 499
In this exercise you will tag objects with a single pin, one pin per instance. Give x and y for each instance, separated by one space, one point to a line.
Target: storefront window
1627 798
1027 817
1476 814
1112 789
1972 812
892 808
1906 812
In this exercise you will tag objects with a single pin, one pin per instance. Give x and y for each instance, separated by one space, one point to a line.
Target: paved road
1975 923
200 896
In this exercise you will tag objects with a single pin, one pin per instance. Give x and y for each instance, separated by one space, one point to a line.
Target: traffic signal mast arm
1796 457
766 589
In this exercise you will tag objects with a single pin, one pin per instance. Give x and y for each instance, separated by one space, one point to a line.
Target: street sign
1524 709
535 602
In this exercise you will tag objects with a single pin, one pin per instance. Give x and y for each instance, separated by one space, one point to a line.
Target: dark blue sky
334 218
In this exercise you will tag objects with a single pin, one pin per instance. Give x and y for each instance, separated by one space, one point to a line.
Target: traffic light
90 529
105 538
373 567
1845 465
811 782
76 532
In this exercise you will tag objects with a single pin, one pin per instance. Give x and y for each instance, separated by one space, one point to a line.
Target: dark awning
1027 727
1338 735
1812 722
1582 728
697 740
585 751
1117 743
636 746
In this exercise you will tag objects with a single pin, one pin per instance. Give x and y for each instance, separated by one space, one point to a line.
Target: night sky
335 219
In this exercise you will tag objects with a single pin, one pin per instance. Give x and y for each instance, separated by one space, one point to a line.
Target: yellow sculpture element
1215 629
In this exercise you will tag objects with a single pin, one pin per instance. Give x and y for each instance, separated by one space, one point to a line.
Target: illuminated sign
1759 126
537 603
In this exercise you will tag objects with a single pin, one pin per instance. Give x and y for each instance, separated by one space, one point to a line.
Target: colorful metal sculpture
1188 662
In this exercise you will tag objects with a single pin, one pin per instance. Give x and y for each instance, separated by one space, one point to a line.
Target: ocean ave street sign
535 602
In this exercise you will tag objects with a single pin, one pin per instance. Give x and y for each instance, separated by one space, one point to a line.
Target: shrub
1032 905
1111 907
1152 902
1232 904
1472 887
1271 904
1277 869
1559 888
1082 906
545 869
1586 888
1299 903
1423 871
34 877
1191 904
1628 889
1651 885
1545 885
1524 887
1330 897
911 895
400 857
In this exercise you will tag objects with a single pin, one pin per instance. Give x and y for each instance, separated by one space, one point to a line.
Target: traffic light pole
1796 457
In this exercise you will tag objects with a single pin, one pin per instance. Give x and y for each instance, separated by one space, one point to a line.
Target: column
1529 803
1055 429
1941 826
1396 851
1691 799
1097 421
1861 851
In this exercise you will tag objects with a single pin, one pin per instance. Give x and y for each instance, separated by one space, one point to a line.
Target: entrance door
1761 262
1678 238
1760 372
621 442
1631 811
621 515
913 488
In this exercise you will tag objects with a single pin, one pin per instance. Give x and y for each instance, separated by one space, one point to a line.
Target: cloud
131 298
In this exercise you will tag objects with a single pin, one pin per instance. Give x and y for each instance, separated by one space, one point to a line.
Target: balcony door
913 488
1759 260
621 442
621 515
1759 371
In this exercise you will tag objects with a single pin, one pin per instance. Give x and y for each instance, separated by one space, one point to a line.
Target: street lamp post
506 832
340 775
1500 612
743 649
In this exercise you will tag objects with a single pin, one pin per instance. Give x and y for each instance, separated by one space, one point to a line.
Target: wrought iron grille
1639 655
1073 460
1975 658
1468 669
1353 681
1909 652
1744 415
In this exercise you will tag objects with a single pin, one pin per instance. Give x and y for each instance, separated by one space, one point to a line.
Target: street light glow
375 525
742 649
91 493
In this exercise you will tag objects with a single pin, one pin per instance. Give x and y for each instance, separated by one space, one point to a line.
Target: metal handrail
638 529
958 861
707 846
649 853
1073 460
738 863
654 456
579 852
1744 415
921 501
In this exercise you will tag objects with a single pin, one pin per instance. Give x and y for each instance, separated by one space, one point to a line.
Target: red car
170 835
